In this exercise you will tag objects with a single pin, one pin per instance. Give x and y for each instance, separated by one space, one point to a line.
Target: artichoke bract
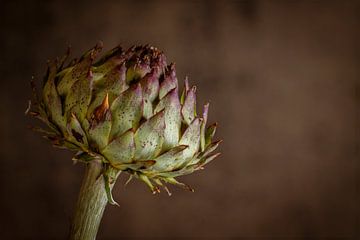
125 110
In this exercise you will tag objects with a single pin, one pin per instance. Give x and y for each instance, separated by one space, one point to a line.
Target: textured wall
281 78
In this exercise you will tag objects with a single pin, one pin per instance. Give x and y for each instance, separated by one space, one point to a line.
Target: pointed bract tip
89 74
28 107
182 147
206 107
215 155
155 190
186 83
137 89
129 180
205 112
174 93
189 188
167 191
95 51
99 44
105 103
149 163
101 111
34 114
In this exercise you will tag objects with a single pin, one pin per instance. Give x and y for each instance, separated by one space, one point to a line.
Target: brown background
281 78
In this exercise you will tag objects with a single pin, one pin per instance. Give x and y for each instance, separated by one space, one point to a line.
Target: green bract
124 110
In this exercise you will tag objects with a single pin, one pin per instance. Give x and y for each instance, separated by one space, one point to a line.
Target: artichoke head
125 110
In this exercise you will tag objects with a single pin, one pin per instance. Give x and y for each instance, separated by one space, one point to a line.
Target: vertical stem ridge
91 203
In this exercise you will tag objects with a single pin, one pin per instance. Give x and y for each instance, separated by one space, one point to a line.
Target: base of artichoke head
91 203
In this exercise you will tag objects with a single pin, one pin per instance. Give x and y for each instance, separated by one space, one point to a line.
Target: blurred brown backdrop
281 78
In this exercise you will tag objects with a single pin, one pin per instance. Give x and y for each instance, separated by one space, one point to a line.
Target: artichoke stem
91 203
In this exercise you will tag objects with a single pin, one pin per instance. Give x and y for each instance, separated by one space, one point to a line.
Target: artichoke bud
125 110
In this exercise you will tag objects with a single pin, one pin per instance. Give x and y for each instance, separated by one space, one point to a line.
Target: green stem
91 203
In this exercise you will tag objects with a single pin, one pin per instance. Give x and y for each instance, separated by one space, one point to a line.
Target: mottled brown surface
281 78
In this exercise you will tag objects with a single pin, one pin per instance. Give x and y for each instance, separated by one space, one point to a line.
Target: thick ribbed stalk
91 203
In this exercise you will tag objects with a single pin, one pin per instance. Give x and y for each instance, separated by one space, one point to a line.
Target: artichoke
125 111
